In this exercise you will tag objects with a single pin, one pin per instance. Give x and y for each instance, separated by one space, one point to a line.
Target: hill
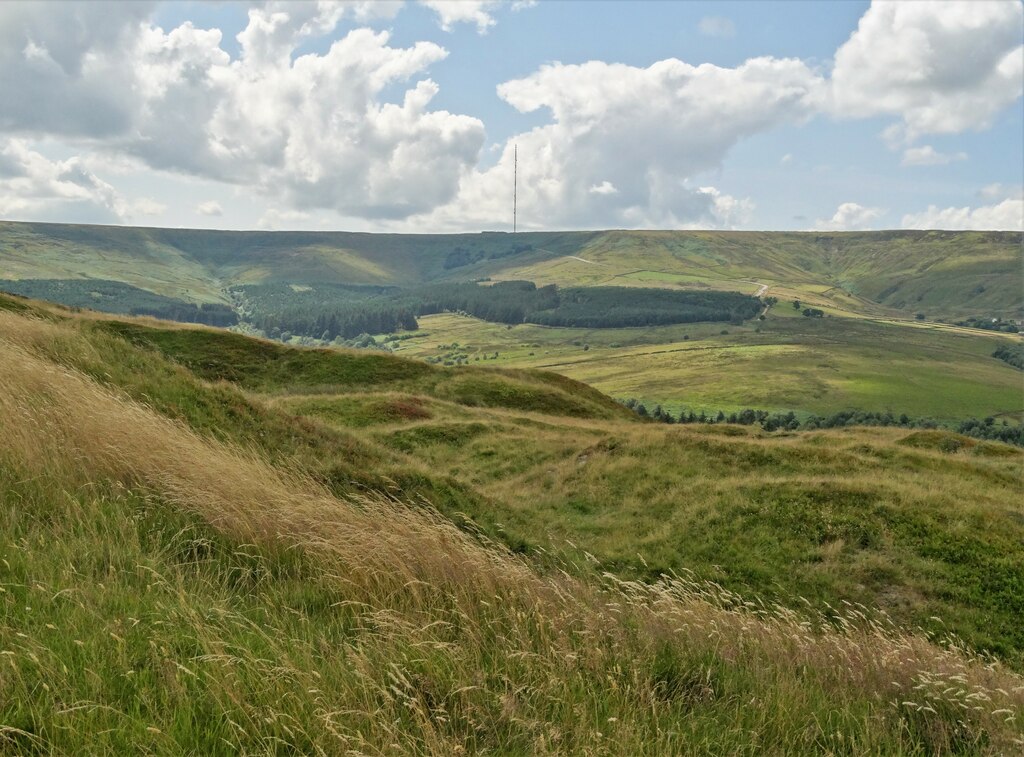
948 275
215 544
944 274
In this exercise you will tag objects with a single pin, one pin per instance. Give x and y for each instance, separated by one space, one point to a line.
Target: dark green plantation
330 311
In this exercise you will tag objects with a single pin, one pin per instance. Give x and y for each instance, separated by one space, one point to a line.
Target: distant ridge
950 273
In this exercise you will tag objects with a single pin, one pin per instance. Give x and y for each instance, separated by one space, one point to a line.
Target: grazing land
214 544
818 366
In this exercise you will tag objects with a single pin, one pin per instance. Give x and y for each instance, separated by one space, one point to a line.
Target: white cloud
926 155
59 68
209 208
717 26
35 188
452 12
726 211
850 217
645 131
351 128
1007 215
311 130
941 67
999 191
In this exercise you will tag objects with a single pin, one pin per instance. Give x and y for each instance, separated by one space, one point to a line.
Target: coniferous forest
117 297
330 311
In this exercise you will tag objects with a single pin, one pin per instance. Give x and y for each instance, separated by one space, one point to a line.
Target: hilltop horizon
566 230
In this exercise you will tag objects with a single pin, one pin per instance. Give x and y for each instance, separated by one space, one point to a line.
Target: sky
405 116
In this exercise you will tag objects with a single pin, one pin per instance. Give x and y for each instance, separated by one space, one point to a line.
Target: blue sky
402 116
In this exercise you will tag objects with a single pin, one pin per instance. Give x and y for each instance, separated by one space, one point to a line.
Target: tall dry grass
618 668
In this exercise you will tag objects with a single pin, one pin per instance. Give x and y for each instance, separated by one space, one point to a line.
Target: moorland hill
213 544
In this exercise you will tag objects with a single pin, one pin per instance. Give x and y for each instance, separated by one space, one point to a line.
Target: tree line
991 324
1012 354
117 297
346 311
463 256
987 428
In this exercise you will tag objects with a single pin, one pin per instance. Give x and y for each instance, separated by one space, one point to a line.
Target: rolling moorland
887 341
213 543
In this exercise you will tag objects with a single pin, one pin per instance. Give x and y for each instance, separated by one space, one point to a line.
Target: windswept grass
164 592
919 530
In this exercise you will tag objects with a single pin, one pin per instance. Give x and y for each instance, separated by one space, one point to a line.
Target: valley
876 348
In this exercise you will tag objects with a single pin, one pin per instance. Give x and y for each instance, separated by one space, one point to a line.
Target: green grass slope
542 461
943 274
200 560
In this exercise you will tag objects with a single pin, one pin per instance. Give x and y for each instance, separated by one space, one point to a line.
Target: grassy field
786 362
212 545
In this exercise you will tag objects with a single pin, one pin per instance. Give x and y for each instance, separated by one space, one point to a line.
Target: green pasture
787 362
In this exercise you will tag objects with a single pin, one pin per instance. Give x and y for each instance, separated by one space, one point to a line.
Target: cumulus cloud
452 12
145 206
35 188
717 26
926 155
313 129
940 67
850 216
353 128
209 208
1007 215
1003 212
724 211
65 77
644 132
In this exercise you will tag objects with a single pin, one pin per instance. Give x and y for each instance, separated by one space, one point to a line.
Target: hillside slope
204 550
944 274
534 457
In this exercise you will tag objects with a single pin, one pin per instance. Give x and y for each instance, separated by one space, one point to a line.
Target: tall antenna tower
515 184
